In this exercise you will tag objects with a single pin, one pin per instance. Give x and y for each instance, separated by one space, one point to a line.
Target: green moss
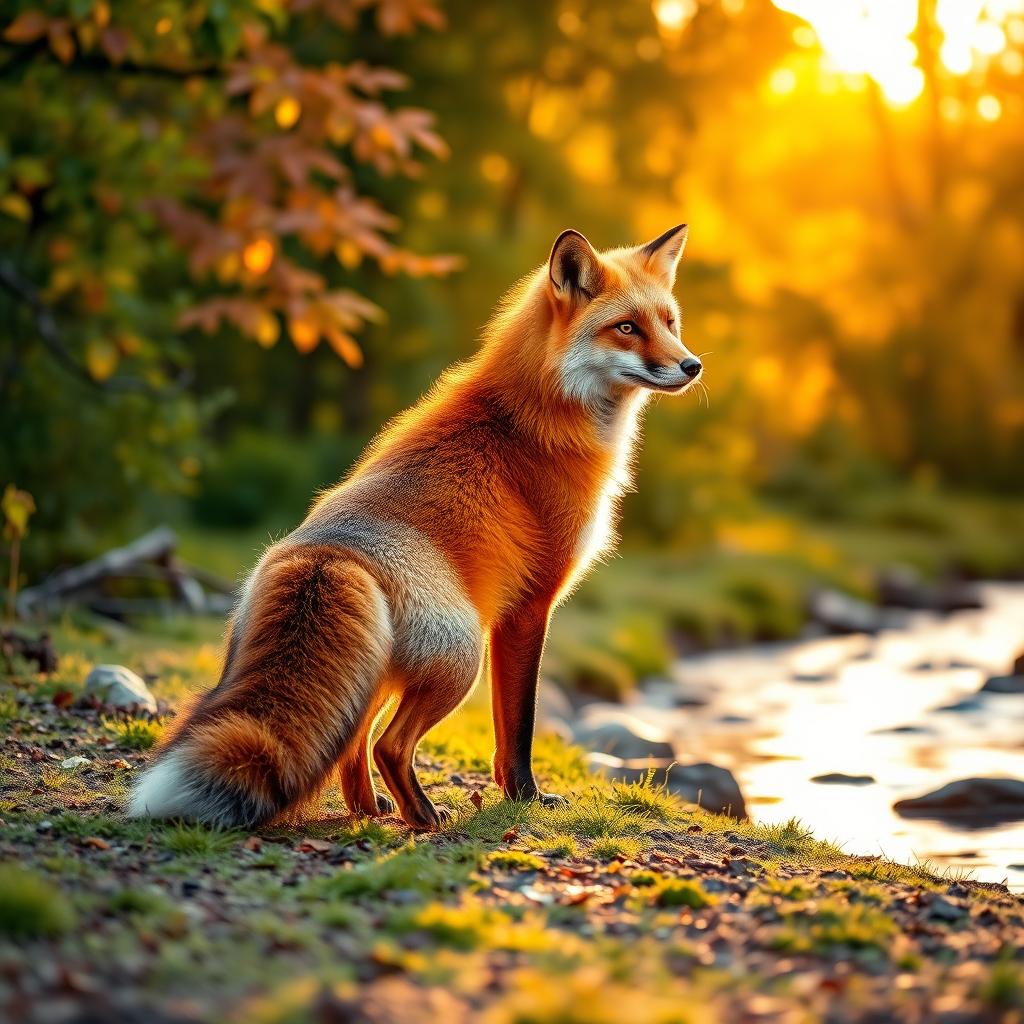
514 860
30 906
1003 989
427 870
645 879
833 923
8 708
138 903
682 892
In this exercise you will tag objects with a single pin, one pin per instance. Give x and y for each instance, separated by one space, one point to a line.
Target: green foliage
153 177
30 906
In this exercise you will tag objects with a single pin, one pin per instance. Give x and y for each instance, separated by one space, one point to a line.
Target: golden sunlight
876 38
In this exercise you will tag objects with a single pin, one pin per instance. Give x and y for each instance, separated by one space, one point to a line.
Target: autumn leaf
17 507
61 43
27 27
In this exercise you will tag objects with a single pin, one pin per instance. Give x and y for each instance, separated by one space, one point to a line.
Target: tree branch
26 293
24 53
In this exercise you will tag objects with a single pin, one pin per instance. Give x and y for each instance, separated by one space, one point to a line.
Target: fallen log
150 557
58 588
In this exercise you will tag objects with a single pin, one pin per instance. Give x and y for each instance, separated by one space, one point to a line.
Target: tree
173 171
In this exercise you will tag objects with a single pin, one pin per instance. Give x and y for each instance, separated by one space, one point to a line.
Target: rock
901 586
841 613
956 596
967 704
709 785
714 788
1004 684
1018 664
119 687
839 779
623 737
941 909
904 730
671 693
812 677
75 762
980 800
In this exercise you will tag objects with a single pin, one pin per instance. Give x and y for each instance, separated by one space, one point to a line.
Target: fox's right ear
574 268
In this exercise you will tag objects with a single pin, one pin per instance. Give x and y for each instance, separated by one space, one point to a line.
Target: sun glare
876 38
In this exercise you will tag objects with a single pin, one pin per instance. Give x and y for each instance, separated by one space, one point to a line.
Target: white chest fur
599 535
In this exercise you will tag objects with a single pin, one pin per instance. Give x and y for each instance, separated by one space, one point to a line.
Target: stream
777 715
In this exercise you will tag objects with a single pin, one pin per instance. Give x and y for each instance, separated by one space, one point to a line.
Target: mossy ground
625 905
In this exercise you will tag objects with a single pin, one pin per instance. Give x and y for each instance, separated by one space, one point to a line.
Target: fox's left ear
663 254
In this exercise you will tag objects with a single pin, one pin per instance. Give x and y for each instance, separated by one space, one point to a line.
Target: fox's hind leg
429 695
354 768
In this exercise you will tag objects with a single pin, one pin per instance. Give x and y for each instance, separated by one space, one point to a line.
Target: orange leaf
61 42
345 346
27 27
304 333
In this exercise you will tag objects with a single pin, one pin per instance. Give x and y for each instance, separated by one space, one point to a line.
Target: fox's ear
574 268
663 254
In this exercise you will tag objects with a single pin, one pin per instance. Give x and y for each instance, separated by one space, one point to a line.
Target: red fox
465 522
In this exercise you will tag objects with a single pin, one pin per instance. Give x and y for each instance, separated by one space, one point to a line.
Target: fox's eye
671 323
626 327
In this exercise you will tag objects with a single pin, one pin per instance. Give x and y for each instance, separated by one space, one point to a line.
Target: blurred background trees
220 227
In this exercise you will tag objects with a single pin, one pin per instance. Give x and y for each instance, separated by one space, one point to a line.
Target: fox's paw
434 820
385 805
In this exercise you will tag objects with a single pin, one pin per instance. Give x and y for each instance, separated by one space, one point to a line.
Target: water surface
778 715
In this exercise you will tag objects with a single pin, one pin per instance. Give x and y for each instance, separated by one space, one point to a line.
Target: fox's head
616 322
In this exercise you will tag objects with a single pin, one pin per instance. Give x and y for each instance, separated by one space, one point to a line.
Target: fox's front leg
517 645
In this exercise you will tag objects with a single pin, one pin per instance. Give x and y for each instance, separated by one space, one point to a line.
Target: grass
831 923
533 914
514 860
421 870
136 733
30 907
198 840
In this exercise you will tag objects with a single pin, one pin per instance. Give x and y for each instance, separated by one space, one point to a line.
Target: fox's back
505 513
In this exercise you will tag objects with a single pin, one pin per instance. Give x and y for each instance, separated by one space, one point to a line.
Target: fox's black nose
691 366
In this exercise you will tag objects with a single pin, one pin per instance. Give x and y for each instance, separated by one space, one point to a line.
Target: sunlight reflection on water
778 715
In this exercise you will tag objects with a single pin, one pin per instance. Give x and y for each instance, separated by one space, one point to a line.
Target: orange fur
467 519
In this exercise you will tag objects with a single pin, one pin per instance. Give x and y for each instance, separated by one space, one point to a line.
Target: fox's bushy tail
310 646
